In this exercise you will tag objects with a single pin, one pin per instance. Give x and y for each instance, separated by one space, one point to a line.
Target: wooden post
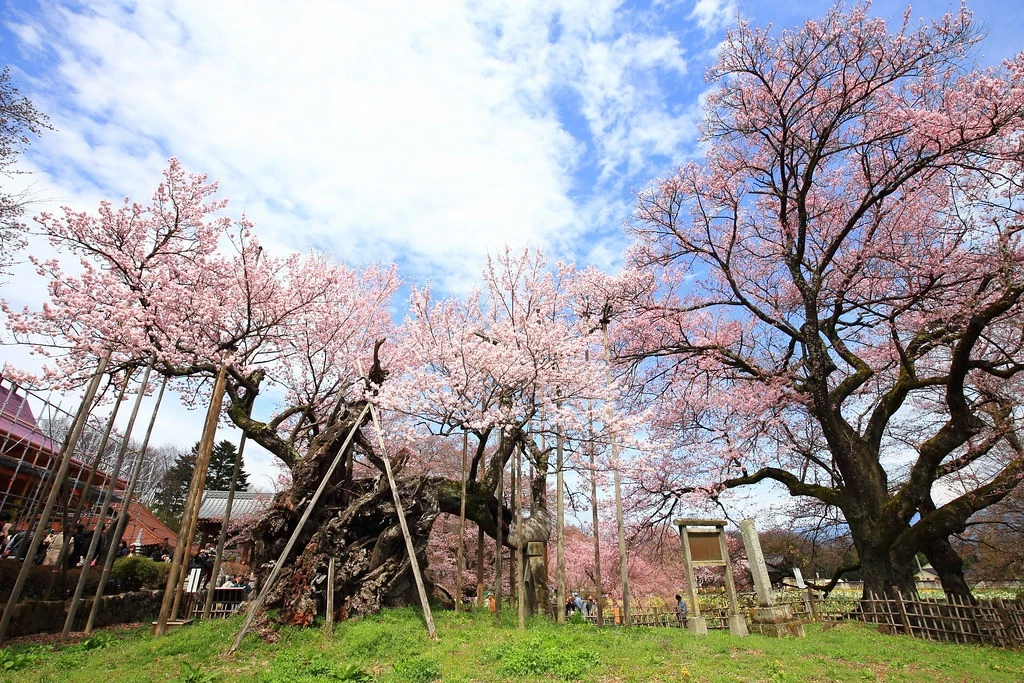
620 525
268 584
223 536
480 548
560 525
623 558
907 628
498 548
691 582
520 550
479 565
460 560
410 548
811 605
101 518
122 517
175 579
61 565
51 499
202 466
329 617
513 558
597 532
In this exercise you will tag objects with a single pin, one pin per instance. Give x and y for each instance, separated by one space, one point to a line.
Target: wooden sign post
704 545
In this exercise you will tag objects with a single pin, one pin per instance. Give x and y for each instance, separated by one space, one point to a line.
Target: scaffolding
32 428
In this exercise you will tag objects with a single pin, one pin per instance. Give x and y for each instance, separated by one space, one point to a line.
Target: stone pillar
768 619
758 568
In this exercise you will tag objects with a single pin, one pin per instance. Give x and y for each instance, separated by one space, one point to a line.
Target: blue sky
428 133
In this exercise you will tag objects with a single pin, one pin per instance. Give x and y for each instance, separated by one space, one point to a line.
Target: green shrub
540 656
11 661
190 674
134 573
418 670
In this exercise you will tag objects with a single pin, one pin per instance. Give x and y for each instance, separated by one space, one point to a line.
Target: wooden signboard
704 547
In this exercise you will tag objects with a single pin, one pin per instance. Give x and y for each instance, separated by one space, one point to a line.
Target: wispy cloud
429 133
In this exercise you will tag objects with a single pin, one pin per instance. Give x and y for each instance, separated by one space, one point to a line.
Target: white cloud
431 133
423 130
713 15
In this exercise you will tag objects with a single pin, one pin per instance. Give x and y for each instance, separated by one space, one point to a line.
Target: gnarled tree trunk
372 568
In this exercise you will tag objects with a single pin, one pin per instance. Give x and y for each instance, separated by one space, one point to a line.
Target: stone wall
38 616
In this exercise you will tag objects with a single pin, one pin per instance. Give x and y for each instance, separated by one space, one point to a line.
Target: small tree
222 464
169 500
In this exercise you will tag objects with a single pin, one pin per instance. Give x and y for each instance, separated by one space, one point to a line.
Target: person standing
53 551
681 609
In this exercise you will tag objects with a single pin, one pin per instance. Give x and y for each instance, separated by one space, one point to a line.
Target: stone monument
767 618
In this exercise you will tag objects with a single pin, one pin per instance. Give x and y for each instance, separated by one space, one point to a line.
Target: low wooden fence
956 620
945 619
226 602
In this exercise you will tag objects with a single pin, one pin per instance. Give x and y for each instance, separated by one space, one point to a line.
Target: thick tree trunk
372 568
950 567
883 566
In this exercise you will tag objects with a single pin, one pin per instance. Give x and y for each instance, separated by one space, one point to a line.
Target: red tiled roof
154 532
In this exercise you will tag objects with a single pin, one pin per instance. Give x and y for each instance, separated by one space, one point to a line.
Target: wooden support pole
559 525
101 518
460 560
498 547
65 548
329 616
172 591
272 577
122 517
623 557
620 526
597 532
409 547
66 456
222 538
520 549
513 502
51 499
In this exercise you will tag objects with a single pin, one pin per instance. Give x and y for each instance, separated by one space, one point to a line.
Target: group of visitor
237 581
575 603
49 550
588 608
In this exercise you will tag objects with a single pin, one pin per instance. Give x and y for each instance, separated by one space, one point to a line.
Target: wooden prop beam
410 548
122 517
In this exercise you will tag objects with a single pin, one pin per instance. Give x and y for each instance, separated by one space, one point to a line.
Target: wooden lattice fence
946 619
956 620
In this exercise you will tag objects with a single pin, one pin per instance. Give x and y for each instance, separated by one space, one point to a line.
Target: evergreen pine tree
169 501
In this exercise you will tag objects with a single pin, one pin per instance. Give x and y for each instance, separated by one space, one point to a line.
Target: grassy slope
394 647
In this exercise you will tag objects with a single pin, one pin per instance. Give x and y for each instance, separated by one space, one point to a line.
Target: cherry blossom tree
839 279
178 284
19 120
506 365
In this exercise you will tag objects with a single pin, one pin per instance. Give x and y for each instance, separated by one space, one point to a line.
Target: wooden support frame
713 555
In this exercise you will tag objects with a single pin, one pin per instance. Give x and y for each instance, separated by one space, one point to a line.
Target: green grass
393 648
